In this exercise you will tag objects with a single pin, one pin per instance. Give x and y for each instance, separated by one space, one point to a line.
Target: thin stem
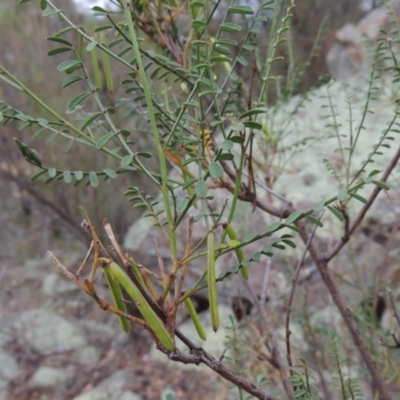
163 165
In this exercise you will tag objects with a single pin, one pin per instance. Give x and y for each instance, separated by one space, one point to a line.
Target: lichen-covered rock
47 333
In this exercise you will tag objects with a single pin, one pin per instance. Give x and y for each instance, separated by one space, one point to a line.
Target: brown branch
360 342
339 245
395 313
198 356
291 296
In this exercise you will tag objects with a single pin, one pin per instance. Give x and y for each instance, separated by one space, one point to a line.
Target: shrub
214 130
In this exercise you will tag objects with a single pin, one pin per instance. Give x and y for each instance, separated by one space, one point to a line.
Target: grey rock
8 366
130 396
348 56
109 389
6 328
54 284
215 342
86 355
48 333
4 389
47 377
99 331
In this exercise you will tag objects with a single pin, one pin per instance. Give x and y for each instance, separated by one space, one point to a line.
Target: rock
130 396
8 372
99 331
8 366
48 377
348 56
4 390
86 355
48 333
55 284
111 388
215 342
6 328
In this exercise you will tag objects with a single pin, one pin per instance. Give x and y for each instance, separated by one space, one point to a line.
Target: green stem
153 123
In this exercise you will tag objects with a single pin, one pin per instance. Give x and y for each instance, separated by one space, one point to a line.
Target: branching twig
364 210
291 296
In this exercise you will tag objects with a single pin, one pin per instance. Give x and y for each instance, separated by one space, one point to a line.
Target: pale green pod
116 294
238 250
211 282
148 314
195 318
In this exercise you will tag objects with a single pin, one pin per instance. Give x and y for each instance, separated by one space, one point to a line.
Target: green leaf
182 205
318 206
110 173
252 125
93 179
67 177
48 13
104 140
78 175
274 227
316 221
226 157
103 28
249 237
230 27
91 46
237 139
144 154
267 250
293 217
77 100
254 111
215 170
67 65
220 58
34 156
359 198
342 195
126 160
58 50
38 174
382 185
100 10
59 40
226 145
374 172
245 10
289 243
201 189
336 213
52 172
237 127
89 120
188 161
299 393
69 80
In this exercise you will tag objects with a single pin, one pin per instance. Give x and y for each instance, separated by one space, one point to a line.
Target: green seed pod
116 294
195 318
156 325
212 284
238 250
